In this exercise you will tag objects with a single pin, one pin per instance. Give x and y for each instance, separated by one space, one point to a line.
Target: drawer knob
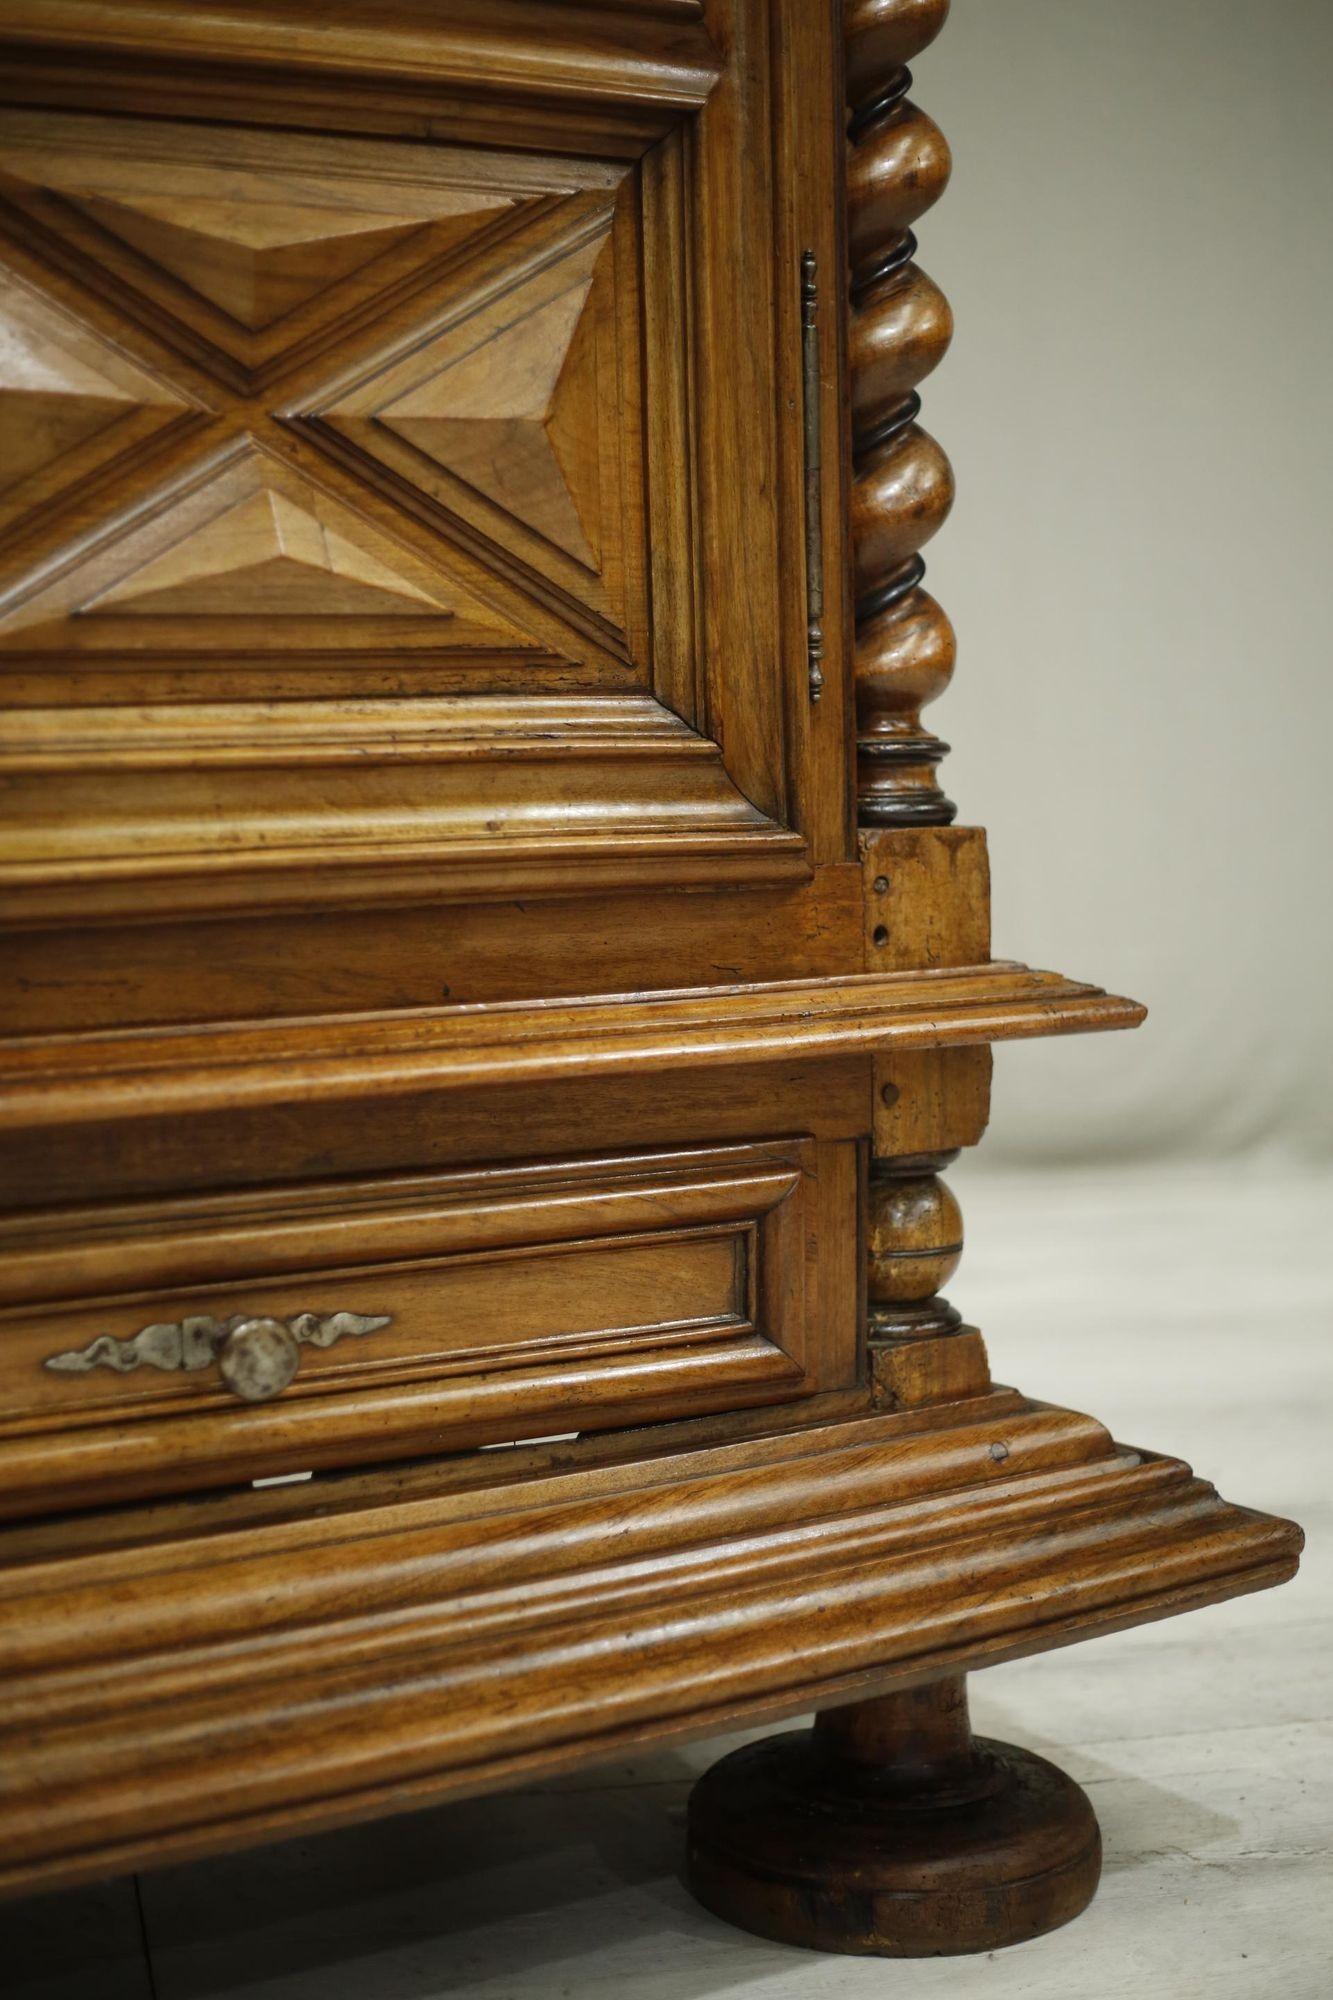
258 1359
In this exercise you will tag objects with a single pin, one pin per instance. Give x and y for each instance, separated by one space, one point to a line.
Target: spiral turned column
901 325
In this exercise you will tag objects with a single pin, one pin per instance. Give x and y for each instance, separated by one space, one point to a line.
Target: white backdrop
1137 404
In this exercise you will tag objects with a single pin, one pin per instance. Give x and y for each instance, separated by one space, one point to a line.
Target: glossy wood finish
425 417
485 1306
610 66
900 328
398 577
886 1829
447 1049
917 1347
927 1107
452 1001
180 767
331 1659
656 52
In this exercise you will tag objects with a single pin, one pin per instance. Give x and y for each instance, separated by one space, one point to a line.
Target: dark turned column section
900 326
919 1738
889 1828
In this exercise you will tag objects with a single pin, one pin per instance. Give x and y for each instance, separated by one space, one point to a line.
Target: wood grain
512 1303
445 968
843 1524
452 1049
926 897
413 464
347 961
136 813
597 53
71 404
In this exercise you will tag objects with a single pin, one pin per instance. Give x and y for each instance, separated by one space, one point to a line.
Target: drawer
212 1340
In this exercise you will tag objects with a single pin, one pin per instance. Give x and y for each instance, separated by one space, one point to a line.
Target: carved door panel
386 522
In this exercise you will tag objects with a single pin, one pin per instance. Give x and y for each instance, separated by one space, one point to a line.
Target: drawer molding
157 1347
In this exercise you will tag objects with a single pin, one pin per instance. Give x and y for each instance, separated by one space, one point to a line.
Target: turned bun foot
889 1828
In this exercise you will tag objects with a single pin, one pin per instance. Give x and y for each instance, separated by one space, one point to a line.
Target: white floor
1193 1313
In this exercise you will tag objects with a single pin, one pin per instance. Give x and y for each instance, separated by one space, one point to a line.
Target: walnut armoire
492 978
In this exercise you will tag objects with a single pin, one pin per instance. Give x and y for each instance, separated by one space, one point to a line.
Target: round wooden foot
889 1828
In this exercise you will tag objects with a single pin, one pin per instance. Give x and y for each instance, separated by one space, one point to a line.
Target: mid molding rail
134 1073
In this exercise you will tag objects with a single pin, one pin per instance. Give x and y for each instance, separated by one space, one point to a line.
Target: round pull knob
258 1359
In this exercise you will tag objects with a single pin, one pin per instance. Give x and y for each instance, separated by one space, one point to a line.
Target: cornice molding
613 53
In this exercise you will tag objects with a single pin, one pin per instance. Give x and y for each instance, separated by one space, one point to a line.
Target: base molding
194 1675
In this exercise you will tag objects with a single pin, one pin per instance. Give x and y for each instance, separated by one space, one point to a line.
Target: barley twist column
901 325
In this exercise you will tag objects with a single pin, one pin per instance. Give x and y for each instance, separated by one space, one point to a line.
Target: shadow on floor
489 1894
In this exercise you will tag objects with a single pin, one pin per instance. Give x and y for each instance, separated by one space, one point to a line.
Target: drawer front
207 1341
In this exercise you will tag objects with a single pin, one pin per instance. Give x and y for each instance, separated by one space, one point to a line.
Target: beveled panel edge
606 792
277 880
221 1237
